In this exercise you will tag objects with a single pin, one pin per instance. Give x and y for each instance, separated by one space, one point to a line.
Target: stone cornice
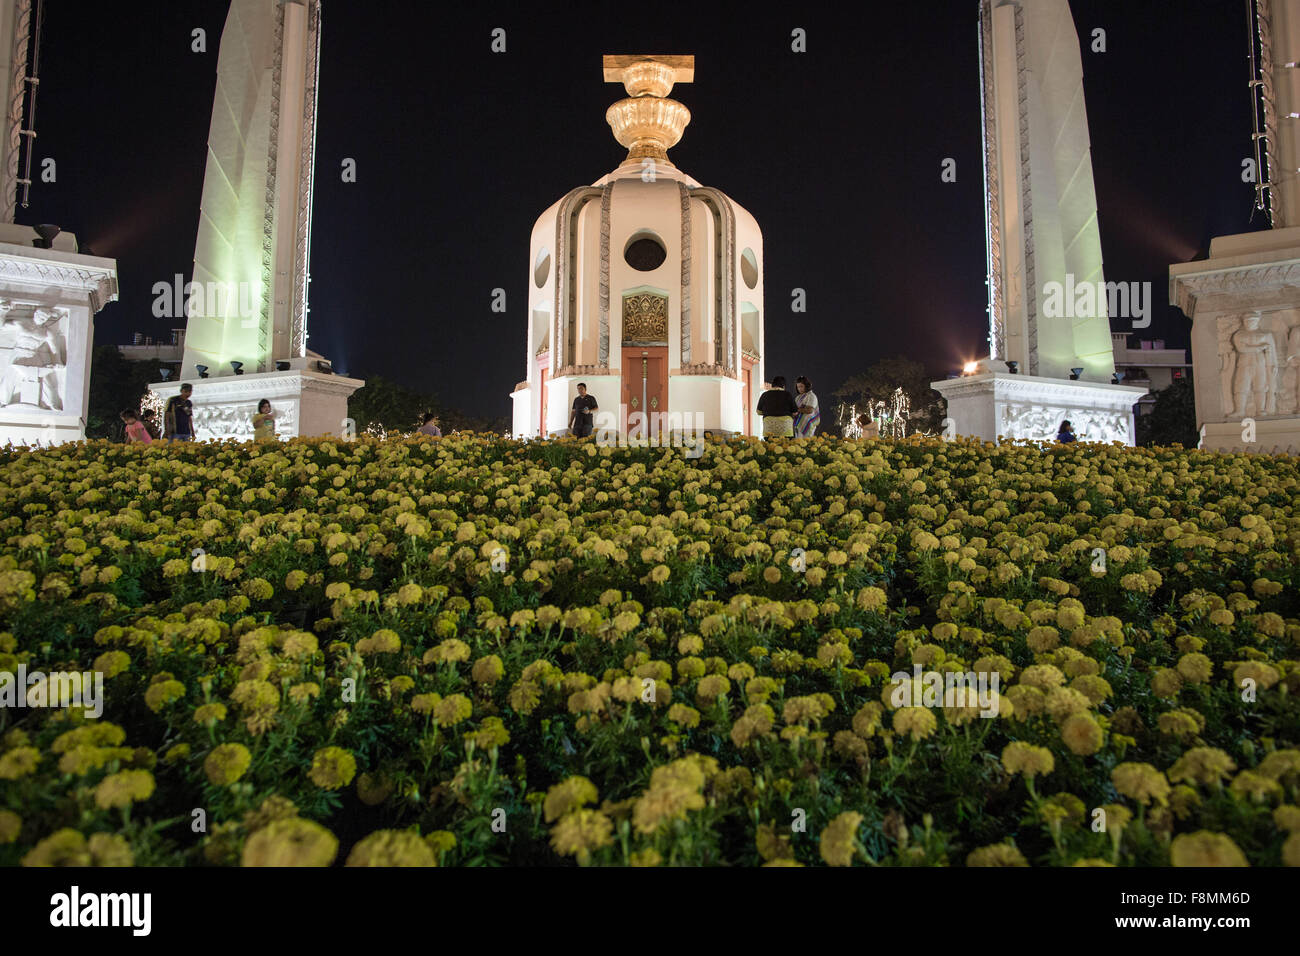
266 384
1189 290
98 282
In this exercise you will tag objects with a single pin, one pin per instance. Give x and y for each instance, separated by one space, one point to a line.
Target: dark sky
836 152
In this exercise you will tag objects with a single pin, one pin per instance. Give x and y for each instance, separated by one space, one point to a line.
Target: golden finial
647 122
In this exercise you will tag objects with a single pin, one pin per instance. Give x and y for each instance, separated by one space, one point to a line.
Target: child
264 422
135 430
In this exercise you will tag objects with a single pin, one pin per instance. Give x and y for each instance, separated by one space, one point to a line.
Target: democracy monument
645 286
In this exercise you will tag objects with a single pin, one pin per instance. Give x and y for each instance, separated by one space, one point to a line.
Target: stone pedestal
48 300
1244 303
306 403
999 405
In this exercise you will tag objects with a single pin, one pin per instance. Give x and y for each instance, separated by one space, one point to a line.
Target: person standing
777 409
805 423
429 426
178 417
264 422
870 427
581 419
1065 433
136 433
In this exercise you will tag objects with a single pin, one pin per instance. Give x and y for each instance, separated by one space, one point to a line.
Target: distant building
143 348
1150 365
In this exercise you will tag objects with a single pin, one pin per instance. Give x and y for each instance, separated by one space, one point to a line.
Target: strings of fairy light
890 418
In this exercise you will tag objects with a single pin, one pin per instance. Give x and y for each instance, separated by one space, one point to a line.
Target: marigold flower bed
476 651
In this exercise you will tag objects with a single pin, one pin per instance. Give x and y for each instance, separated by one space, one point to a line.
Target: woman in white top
805 423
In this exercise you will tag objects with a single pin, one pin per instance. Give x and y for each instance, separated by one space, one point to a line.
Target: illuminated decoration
645 285
891 418
1041 233
246 311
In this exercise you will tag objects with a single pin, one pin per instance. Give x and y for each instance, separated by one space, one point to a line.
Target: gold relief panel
645 317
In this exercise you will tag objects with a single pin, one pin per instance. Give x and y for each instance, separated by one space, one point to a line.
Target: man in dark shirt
179 415
580 421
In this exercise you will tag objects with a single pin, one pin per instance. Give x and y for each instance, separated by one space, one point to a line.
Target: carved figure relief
33 352
1253 391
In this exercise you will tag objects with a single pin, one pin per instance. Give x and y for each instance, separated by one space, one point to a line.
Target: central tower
646 285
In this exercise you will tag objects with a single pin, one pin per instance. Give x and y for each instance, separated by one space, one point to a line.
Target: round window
749 268
542 267
645 253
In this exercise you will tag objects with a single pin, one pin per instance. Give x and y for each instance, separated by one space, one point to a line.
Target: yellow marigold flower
18 762
660 573
1291 850
1166 682
441 841
291 842
66 847
836 843
451 710
1287 817
425 703
492 733
111 663
124 788
10 825
690 644
373 789
711 688
294 580
487 670
772 575
332 768
210 713
567 796
998 854
1205 848
1204 765
256 695
916 722
392 848
1042 676
871 599
1082 734
383 641
684 715
579 833
163 693
449 651
1255 786
1195 668
1264 675
1020 757
1178 723
646 857
867 720
808 709
226 764
1141 782
110 849
524 697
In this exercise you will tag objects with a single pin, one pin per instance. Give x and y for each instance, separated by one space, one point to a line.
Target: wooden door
645 388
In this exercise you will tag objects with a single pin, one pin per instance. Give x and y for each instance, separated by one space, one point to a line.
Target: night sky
458 150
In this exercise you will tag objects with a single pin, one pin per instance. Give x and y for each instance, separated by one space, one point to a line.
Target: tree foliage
116 383
397 408
1172 420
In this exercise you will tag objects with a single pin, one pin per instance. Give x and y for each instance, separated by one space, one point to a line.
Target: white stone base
999 405
1272 436
37 428
306 403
